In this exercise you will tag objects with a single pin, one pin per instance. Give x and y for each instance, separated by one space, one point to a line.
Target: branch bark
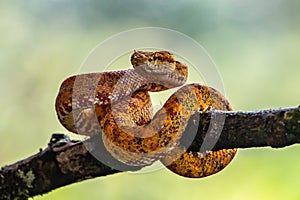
65 161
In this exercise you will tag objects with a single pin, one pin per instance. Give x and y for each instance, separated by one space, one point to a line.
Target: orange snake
118 105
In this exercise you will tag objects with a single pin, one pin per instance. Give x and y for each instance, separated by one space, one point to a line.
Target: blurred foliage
254 43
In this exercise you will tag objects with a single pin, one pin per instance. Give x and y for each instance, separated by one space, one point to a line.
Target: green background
255 45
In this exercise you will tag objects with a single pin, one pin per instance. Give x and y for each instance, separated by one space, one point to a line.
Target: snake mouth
162 73
158 68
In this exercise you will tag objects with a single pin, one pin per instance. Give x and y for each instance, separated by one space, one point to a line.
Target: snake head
160 67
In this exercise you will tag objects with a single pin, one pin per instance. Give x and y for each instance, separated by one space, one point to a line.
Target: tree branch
65 161
274 128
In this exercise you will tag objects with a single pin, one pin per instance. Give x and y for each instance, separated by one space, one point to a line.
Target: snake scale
118 104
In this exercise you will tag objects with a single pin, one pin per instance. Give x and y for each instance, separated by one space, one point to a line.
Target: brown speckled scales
118 105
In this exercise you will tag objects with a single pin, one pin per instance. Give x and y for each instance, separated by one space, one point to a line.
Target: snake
117 104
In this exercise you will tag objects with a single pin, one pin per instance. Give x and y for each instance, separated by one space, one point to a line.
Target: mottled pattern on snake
119 102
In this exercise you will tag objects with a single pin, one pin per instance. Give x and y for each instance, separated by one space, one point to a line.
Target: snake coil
118 105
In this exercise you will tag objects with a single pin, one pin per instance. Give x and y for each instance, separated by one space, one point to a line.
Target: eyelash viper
118 105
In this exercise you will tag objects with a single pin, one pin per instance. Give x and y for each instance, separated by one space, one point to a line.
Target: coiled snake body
118 105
